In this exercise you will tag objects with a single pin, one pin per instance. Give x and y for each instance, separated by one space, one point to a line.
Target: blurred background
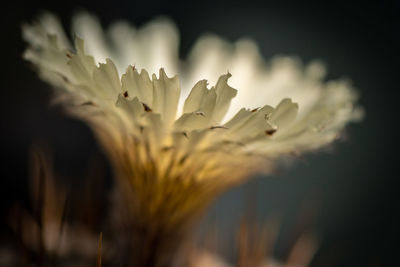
346 195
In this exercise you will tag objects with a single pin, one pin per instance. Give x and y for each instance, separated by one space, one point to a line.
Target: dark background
352 188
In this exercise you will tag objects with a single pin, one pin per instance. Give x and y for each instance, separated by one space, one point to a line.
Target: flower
174 150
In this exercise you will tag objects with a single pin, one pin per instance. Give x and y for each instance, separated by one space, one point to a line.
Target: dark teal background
350 192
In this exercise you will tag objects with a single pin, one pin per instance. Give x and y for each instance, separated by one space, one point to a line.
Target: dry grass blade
99 252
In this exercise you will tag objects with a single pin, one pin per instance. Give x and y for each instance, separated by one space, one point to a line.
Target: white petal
166 93
190 121
138 85
284 114
53 26
82 65
200 99
151 47
225 94
249 124
107 80
87 27
133 109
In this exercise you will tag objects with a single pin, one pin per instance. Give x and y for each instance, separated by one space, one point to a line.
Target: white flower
176 149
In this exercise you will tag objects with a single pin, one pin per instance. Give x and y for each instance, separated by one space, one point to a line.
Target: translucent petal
107 80
138 85
225 94
166 93
284 114
133 109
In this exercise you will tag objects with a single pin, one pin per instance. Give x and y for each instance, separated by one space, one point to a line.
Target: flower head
173 149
